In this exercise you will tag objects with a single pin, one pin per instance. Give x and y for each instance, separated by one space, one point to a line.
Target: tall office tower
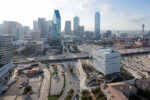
6 53
143 26
26 30
49 28
67 27
97 24
81 30
56 24
35 25
42 27
76 23
13 28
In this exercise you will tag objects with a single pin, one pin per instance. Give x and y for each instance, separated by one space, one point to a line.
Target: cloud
138 19
25 11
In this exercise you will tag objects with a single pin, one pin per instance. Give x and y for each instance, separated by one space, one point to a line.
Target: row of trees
69 95
99 95
85 95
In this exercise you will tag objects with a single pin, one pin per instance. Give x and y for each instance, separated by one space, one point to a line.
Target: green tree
71 91
68 97
27 89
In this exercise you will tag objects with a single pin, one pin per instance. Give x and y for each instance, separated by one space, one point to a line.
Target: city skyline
115 15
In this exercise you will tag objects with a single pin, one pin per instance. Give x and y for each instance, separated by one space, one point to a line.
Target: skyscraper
67 27
35 25
6 53
49 27
143 26
42 27
97 24
76 23
56 28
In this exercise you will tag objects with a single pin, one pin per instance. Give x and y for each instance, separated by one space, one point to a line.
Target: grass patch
53 98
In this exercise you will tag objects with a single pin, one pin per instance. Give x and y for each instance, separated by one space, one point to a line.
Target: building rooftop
118 90
143 83
57 13
105 50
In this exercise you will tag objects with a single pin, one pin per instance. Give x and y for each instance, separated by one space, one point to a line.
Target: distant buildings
80 30
118 91
97 24
76 24
106 61
26 30
35 47
42 27
35 35
56 26
107 34
6 53
143 26
35 25
67 27
13 28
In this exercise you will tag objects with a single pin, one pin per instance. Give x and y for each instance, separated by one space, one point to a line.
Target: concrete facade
106 61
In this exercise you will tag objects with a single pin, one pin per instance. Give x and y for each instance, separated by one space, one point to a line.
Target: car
4 89
20 86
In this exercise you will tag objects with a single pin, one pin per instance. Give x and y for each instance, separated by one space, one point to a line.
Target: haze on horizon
115 14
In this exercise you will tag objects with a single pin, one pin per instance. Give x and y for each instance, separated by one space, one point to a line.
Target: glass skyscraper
97 24
76 22
56 27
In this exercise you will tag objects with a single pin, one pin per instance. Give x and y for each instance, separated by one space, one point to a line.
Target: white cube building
106 61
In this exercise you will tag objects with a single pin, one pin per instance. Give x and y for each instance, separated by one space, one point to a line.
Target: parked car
20 86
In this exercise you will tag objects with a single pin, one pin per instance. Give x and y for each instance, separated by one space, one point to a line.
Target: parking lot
138 66
14 88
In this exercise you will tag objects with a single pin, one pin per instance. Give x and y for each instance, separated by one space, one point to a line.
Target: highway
70 82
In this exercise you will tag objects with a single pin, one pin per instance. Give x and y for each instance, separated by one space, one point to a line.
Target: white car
20 87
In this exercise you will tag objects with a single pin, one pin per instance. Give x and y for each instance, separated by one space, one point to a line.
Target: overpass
61 58
135 51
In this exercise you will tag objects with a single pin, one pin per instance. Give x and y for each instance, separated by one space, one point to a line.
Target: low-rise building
143 84
118 91
106 61
36 46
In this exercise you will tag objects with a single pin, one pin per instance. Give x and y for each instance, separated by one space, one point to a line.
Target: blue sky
115 14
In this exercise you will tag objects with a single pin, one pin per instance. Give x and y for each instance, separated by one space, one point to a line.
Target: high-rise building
67 27
76 24
49 27
35 25
26 30
143 26
35 35
42 27
80 30
106 61
6 53
97 24
13 28
56 28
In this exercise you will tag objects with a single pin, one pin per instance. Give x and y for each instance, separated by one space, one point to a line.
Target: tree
68 97
27 89
71 91
95 90
84 92
70 69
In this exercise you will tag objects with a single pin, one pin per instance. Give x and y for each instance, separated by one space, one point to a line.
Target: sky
115 14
